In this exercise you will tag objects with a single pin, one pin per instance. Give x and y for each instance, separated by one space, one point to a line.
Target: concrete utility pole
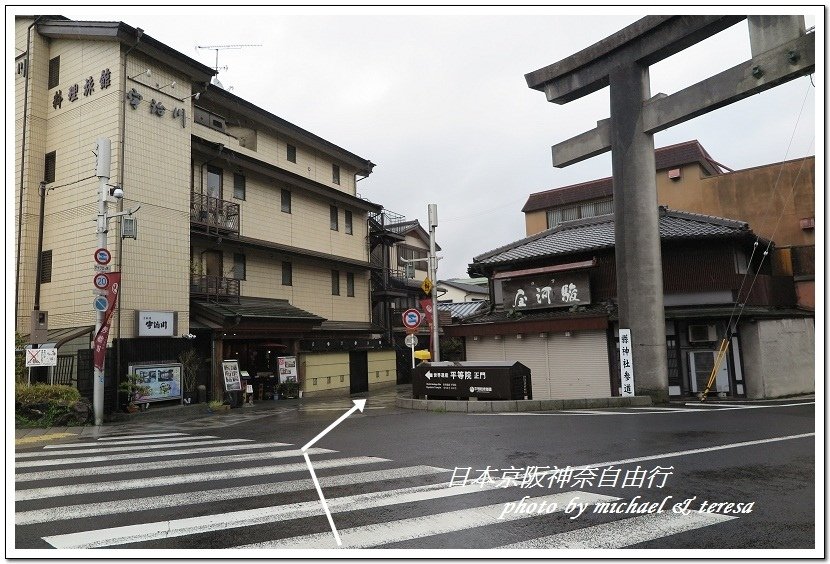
781 51
102 171
432 213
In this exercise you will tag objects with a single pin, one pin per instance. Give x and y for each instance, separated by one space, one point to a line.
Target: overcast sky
439 102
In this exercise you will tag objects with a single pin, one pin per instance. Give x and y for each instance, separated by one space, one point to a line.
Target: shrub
44 393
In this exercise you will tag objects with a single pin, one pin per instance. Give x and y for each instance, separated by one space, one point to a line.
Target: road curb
512 406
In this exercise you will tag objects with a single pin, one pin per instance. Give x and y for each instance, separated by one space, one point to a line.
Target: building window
411 253
285 200
287 276
333 221
239 186
350 284
239 266
291 153
335 282
335 174
579 211
49 167
45 267
54 72
214 182
348 227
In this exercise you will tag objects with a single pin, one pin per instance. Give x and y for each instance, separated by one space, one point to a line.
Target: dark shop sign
564 289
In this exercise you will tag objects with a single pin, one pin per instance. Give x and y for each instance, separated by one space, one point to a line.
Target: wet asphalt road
777 477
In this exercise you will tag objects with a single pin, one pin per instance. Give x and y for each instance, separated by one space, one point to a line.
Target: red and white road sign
102 256
101 281
411 318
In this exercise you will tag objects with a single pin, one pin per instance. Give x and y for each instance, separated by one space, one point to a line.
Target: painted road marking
134 455
131 442
426 526
161 481
156 435
209 496
161 465
41 438
625 532
41 454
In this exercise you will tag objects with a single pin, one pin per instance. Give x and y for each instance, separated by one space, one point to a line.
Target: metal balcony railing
214 287
214 214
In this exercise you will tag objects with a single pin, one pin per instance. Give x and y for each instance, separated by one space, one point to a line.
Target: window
54 72
214 182
348 222
333 218
285 200
350 284
287 274
411 253
291 153
335 174
579 211
239 266
49 167
239 186
335 282
45 267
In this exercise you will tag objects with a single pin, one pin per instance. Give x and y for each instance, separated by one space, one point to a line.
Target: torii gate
781 51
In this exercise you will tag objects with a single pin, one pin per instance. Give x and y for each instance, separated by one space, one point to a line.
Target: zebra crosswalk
173 490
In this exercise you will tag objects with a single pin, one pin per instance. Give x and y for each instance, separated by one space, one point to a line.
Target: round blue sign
100 303
411 318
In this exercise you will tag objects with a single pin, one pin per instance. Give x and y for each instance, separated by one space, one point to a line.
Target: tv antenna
218 48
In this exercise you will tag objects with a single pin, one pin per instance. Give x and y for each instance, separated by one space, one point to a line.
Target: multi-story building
250 237
777 199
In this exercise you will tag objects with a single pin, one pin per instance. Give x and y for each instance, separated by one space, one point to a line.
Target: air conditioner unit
703 333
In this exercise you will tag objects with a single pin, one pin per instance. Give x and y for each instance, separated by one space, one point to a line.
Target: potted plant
190 365
134 389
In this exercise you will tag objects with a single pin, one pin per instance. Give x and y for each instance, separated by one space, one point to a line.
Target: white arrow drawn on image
358 405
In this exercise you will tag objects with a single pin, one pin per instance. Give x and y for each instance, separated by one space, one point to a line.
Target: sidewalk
179 413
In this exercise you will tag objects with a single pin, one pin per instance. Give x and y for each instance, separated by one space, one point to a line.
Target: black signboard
560 289
463 380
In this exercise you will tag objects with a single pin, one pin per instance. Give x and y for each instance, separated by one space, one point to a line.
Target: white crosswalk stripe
185 491
131 441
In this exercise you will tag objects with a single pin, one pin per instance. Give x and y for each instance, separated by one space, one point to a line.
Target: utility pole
102 171
433 275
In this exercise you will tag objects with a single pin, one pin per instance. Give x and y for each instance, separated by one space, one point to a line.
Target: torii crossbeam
781 51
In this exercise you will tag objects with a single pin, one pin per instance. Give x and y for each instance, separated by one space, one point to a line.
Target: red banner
426 305
99 345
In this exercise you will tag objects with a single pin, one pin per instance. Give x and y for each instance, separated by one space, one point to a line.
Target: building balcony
214 287
213 214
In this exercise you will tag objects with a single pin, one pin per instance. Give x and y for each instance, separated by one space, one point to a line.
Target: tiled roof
598 233
256 308
664 157
469 288
461 310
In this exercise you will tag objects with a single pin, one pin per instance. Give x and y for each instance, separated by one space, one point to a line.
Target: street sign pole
432 212
102 171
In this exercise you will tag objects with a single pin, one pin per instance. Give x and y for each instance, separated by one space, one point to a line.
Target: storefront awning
260 315
56 338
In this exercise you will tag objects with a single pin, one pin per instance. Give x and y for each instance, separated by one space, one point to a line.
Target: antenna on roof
218 48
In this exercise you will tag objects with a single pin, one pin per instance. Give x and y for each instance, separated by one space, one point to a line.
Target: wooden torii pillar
781 51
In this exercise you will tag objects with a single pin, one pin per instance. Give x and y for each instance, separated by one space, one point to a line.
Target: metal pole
433 275
103 173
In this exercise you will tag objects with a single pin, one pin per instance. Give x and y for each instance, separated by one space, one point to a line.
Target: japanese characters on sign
156 323
163 381
561 290
134 97
626 364
230 372
41 357
99 348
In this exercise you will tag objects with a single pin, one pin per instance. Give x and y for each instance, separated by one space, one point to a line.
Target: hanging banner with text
99 346
426 305
626 364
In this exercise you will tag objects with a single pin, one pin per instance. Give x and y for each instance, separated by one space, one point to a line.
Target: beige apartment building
251 241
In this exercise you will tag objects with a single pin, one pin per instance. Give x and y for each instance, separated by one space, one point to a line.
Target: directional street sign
102 256
100 303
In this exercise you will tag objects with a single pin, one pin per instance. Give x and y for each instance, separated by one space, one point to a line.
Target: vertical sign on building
626 364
